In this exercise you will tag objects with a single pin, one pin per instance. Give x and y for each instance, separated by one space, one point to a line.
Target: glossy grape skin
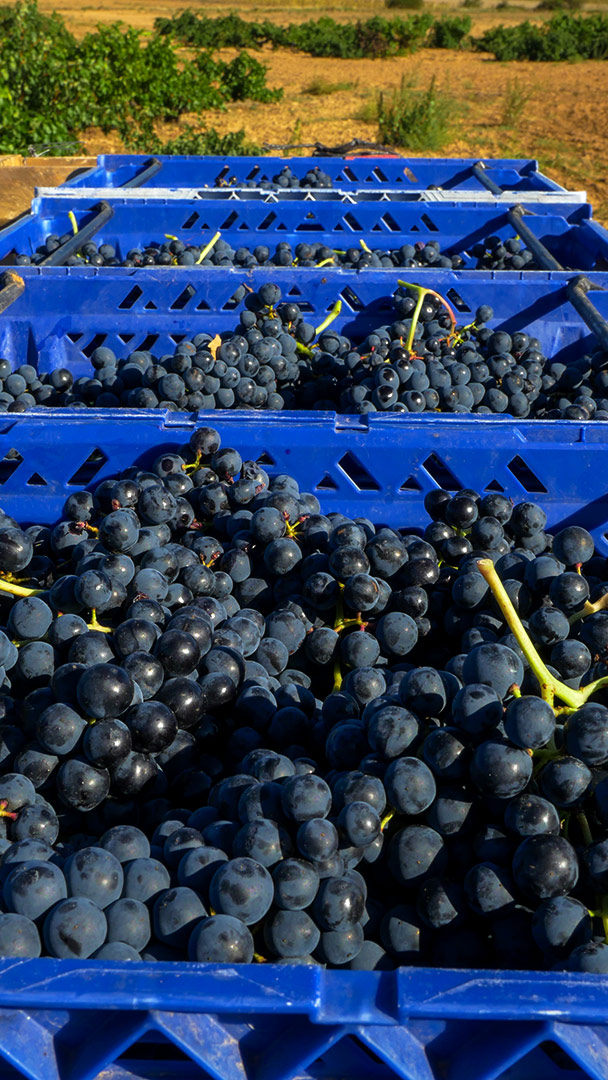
19 937
74 929
243 888
338 947
33 888
587 734
545 867
296 884
500 770
129 922
410 785
489 890
494 665
291 934
339 904
126 842
477 709
221 939
144 879
529 722
591 958
560 925
175 914
530 815
415 853
566 782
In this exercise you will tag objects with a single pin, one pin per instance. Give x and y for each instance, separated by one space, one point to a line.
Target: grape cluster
509 254
275 359
491 255
285 178
236 729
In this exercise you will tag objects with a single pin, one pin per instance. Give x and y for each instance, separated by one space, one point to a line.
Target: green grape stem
590 609
421 293
17 590
550 686
335 311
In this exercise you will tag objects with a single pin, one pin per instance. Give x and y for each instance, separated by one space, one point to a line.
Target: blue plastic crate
63 1020
379 466
63 315
288 1023
567 230
512 174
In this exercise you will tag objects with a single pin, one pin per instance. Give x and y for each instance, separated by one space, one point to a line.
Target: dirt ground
557 113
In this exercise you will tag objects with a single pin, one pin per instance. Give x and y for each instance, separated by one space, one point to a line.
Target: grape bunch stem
549 685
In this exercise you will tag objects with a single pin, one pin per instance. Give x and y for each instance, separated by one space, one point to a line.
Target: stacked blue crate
568 231
352 174
61 1020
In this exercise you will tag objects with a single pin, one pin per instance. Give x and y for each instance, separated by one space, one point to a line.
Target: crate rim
325 996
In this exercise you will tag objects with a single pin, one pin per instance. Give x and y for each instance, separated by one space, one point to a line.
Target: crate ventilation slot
230 220
327 484
177 338
265 458
411 484
430 224
267 222
351 298
73 338
494 486
456 300
150 306
8 464
184 298
204 306
222 174
294 291
94 343
89 468
349 174
528 479
36 480
191 221
410 175
131 298
559 1057
230 304
126 338
254 172
161 1050
441 473
380 175
390 223
357 473
148 342
353 223
310 224
351 1057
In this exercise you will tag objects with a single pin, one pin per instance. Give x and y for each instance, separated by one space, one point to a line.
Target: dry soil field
555 112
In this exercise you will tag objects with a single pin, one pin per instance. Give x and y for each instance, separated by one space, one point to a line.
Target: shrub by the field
374 37
564 37
449 33
53 87
415 119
